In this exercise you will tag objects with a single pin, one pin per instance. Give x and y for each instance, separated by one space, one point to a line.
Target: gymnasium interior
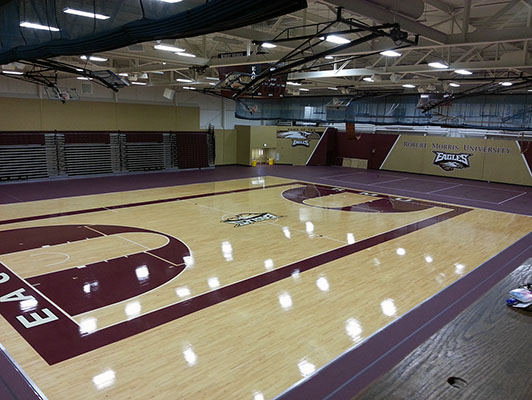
296 199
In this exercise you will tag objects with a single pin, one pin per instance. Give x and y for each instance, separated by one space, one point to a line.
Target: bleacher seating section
35 155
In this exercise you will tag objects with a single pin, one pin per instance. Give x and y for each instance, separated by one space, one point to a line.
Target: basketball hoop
338 103
62 94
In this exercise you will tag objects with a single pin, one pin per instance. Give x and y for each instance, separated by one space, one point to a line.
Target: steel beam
367 9
441 5
491 36
414 69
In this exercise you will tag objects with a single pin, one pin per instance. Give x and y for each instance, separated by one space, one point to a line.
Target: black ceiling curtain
129 22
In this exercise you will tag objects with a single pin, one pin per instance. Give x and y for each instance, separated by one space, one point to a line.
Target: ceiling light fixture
463 72
335 39
409 86
211 78
93 58
268 45
437 64
453 84
83 78
505 83
368 79
80 13
171 1
293 83
303 89
332 88
139 83
189 88
123 74
32 25
390 53
329 57
167 47
184 80
186 54
13 72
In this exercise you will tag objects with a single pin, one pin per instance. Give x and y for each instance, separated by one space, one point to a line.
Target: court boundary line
441 190
512 198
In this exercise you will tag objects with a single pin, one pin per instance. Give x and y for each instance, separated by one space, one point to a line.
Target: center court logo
451 161
249 218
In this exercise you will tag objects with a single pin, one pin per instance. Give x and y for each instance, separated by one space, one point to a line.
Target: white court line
52 264
406 190
466 181
41 294
441 190
393 180
370 184
348 173
511 198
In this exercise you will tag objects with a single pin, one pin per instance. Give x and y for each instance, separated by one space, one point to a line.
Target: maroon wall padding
87 138
144 137
371 147
350 129
192 150
12 139
325 151
528 153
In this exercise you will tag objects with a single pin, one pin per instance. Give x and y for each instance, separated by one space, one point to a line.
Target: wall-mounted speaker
169 94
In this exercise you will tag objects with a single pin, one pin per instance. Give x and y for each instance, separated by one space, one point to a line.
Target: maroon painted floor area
13 384
355 369
494 196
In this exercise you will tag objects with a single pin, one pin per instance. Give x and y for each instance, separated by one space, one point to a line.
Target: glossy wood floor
170 302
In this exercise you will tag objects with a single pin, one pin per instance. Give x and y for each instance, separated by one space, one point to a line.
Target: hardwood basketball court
234 289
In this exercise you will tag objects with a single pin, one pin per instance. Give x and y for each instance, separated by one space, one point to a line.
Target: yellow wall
492 160
19 114
252 138
243 141
77 116
263 135
48 115
295 155
225 146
